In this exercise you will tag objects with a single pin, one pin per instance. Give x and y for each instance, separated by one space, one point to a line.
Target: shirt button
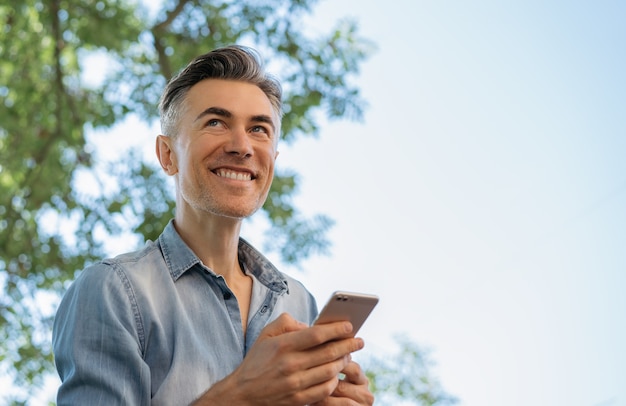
227 295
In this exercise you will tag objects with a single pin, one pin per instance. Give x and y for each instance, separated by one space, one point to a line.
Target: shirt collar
179 258
262 269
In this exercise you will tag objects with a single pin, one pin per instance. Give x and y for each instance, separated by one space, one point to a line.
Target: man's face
223 155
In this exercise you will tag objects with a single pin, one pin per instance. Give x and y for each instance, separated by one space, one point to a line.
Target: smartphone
350 306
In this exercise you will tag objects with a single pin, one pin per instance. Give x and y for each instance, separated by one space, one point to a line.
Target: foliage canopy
405 378
50 229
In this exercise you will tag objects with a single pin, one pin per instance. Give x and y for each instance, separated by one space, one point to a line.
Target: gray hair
233 62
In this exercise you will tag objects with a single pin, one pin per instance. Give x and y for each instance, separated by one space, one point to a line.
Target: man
199 316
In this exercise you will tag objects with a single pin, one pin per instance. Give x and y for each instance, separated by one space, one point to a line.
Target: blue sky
483 196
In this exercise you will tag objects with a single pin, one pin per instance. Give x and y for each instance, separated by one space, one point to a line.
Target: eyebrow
214 110
262 118
218 111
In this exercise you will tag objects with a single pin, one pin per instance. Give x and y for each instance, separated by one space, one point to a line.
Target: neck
214 239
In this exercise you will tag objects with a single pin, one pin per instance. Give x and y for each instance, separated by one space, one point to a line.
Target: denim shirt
157 327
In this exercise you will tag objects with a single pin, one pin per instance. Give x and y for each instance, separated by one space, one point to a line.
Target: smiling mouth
229 174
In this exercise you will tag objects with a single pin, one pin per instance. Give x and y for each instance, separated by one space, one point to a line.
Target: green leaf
49 228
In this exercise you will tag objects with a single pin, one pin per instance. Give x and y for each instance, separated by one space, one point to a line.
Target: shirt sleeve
98 342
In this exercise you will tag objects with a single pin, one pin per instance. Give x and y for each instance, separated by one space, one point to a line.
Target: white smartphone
350 306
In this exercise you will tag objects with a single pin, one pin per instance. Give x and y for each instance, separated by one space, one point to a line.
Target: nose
239 143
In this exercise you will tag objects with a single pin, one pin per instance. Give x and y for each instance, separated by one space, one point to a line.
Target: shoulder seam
130 292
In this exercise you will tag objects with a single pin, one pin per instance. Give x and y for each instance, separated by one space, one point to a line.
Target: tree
50 229
404 378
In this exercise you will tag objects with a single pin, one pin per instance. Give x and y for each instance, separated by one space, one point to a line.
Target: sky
483 195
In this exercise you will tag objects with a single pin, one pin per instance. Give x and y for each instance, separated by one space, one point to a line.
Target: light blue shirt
157 327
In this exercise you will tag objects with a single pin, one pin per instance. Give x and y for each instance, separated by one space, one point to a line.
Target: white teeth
233 175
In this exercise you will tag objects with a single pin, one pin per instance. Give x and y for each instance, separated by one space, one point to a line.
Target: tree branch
32 174
158 32
56 33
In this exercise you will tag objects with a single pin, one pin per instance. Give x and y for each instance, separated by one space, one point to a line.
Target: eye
213 122
259 129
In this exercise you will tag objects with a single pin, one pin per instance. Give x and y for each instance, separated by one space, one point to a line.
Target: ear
166 155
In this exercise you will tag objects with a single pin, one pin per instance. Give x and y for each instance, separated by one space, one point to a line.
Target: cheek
196 153
271 164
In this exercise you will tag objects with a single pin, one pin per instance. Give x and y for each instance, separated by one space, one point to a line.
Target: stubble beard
223 206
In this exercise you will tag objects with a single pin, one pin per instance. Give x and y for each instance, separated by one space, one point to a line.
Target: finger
314 384
322 380
354 386
333 350
354 374
323 333
329 352
299 337
285 323
356 393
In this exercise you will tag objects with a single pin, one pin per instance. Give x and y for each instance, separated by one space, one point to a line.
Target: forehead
240 98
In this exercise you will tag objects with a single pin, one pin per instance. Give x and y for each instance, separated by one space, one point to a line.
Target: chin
231 206
237 213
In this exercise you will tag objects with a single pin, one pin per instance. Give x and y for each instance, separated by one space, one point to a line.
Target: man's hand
292 364
352 390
